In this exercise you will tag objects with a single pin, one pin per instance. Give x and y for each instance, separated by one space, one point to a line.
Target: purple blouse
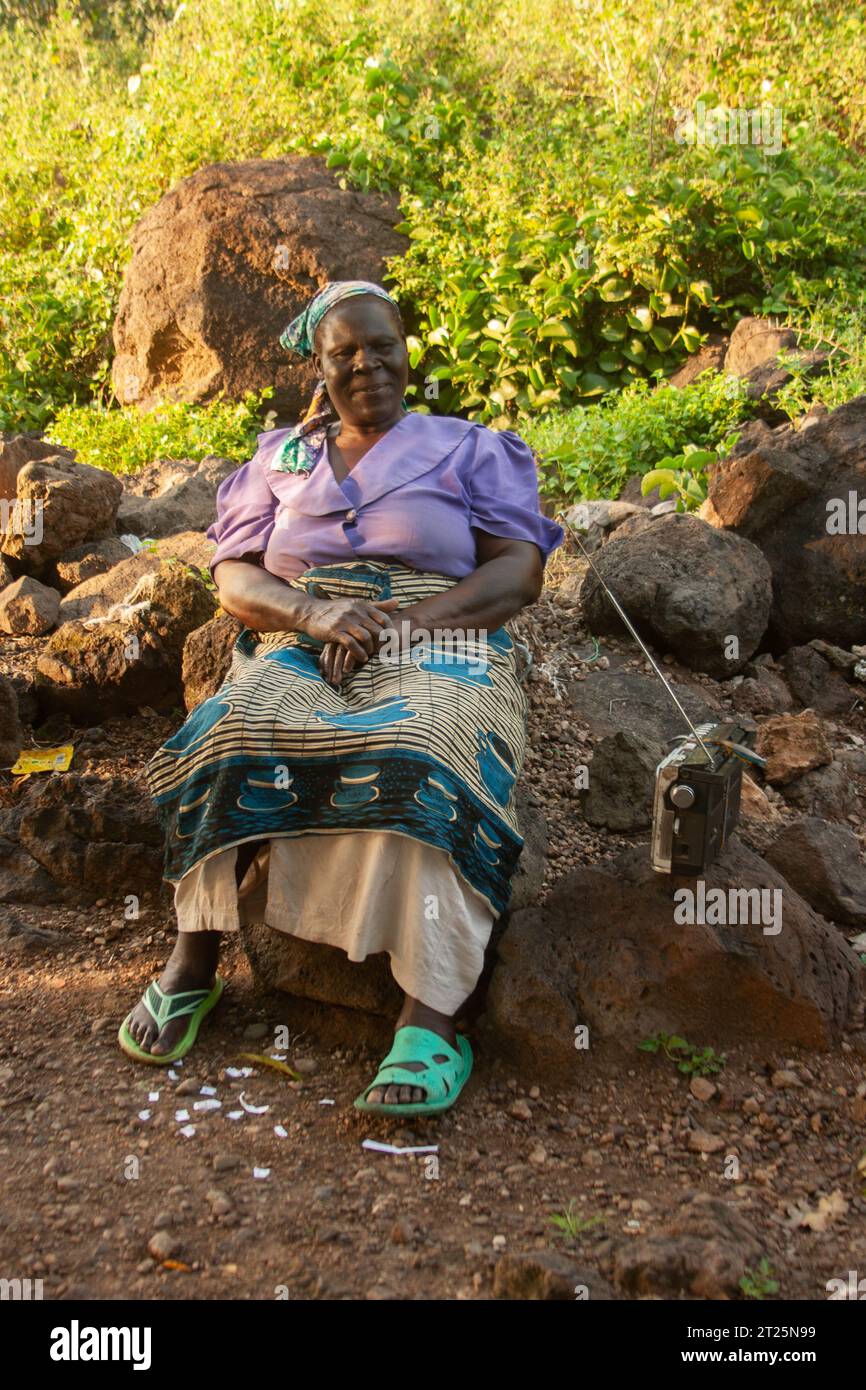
415 496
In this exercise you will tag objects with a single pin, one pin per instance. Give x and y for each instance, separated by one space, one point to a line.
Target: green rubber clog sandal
443 1081
194 1003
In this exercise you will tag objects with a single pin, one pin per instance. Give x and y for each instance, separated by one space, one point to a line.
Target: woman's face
360 350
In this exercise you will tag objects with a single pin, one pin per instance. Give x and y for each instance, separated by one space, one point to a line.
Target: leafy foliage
693 1061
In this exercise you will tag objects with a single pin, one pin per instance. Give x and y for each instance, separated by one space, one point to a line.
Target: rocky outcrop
689 594
21 449
224 261
95 597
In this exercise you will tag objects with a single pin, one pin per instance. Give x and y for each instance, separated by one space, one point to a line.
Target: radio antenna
627 620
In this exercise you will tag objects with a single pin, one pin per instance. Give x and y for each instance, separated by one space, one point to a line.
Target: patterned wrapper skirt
427 745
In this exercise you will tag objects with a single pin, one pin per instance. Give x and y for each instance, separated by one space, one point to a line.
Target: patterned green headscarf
301 447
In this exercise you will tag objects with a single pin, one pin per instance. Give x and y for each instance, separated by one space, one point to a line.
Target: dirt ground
103 1196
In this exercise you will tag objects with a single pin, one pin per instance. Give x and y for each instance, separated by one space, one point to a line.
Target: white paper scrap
181 1115
327 1102
252 1109
153 1096
172 1075
235 1115
144 1114
188 1131
239 1071
261 1172
207 1105
396 1149
208 1091
280 1132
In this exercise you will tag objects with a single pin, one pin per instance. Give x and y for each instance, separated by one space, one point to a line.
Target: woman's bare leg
191 966
417 1015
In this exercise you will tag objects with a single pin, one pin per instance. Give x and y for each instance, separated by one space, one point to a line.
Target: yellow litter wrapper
44 759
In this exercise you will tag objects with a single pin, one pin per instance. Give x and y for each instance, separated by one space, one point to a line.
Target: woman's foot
417 1015
192 965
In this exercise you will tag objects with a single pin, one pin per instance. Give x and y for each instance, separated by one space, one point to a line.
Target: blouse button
350 515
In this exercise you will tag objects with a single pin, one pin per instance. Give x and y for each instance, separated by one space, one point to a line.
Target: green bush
125 440
591 453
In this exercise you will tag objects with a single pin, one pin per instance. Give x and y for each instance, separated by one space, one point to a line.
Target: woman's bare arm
264 602
509 576
260 600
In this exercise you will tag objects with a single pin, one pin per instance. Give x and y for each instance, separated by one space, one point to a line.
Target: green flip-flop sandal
442 1081
192 1003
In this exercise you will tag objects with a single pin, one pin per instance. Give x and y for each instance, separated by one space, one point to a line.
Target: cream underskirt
362 890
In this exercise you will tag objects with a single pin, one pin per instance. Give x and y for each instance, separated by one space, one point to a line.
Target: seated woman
374 556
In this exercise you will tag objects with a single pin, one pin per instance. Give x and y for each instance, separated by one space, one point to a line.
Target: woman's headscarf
302 444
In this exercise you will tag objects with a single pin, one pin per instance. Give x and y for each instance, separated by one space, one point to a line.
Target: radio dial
682 796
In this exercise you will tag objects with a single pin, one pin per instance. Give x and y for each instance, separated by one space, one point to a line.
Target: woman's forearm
488 597
260 600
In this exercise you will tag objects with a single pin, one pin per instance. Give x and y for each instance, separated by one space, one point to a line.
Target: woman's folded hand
350 629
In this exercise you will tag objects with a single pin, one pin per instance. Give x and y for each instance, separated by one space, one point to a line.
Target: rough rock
6 575
621 782
829 792
754 342
545 1275
709 358
224 261
594 520
93 836
825 864
763 692
59 504
782 496
21 449
95 597
130 657
792 744
701 1253
11 733
689 594
814 683
605 950
28 608
310 970
86 561
207 656
608 701
171 496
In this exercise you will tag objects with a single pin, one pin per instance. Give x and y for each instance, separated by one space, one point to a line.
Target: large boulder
59 504
129 657
753 355
689 594
171 496
224 261
621 782
785 495
324 974
605 951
